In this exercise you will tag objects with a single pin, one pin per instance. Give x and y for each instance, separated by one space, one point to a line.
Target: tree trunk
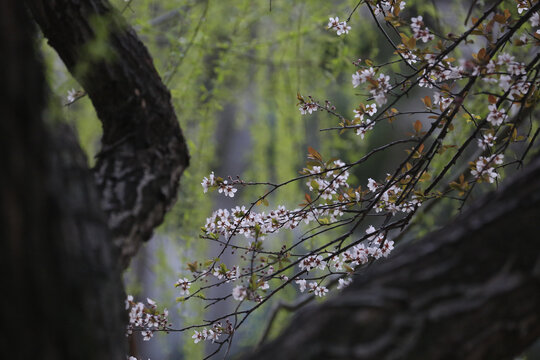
468 291
62 291
68 232
144 152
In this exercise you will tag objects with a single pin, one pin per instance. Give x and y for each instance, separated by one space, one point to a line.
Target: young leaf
314 154
417 126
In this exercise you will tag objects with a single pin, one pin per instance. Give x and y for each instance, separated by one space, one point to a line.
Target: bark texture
468 291
144 152
62 292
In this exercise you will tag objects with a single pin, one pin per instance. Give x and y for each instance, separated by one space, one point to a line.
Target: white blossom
486 141
301 284
418 32
320 291
183 285
226 189
522 5
483 167
371 109
72 95
496 117
372 185
364 127
312 262
198 336
208 182
307 108
239 293
535 19
344 282
339 27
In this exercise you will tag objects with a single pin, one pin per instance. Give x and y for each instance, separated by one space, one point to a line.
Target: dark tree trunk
68 231
62 294
468 291
144 152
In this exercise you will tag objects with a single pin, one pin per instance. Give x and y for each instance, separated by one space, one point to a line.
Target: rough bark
144 152
62 292
468 291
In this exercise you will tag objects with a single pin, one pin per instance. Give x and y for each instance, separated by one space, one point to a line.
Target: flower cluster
312 287
364 125
222 272
440 71
377 247
218 183
312 262
249 292
369 109
442 100
378 86
523 5
510 75
483 168
388 198
419 32
408 55
496 117
213 333
328 183
184 285
307 108
146 318
251 224
362 76
383 7
487 140
339 27
239 293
